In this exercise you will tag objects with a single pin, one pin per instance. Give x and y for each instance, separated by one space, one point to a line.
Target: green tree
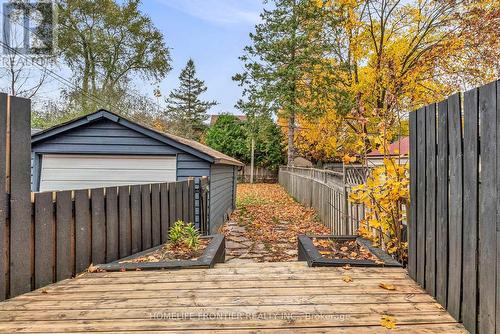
287 48
135 106
229 136
269 147
185 111
105 43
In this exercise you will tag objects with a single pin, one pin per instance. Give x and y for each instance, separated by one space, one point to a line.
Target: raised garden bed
212 250
338 251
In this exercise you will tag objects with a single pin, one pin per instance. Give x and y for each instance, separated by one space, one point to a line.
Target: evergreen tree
269 148
185 112
229 136
287 47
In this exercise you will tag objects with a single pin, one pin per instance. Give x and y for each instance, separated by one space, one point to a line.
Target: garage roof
190 146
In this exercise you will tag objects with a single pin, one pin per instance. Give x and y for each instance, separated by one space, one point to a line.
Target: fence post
4 242
21 236
191 200
204 221
345 211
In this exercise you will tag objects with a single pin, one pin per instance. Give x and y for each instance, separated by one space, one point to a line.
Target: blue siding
222 194
107 137
190 166
103 137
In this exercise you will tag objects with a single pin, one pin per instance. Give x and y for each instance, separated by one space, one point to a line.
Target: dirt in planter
170 252
343 250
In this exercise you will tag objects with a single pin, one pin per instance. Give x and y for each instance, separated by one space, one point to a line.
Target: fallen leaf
344 249
387 286
388 322
44 291
439 307
94 269
347 267
347 278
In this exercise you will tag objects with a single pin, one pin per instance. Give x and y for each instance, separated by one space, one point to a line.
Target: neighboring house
399 150
104 149
213 118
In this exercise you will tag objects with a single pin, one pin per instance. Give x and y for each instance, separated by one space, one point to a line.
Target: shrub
385 195
184 234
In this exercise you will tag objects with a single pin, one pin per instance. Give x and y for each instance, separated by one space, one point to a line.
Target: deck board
242 298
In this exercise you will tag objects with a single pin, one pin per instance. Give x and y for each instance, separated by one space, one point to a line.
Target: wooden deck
231 298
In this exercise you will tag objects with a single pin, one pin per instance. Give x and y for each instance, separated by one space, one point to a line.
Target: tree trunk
252 160
291 135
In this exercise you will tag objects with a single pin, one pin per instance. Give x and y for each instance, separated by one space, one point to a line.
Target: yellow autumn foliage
390 58
385 196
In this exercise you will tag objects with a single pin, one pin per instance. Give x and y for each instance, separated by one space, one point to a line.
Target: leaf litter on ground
272 217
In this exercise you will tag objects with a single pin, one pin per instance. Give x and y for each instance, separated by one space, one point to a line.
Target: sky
213 33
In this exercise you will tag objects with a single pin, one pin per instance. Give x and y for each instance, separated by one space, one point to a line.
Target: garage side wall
222 194
191 166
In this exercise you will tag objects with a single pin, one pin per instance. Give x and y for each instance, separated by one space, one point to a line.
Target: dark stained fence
454 226
328 193
203 196
52 236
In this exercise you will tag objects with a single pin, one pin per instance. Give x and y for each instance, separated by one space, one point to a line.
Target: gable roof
183 144
398 148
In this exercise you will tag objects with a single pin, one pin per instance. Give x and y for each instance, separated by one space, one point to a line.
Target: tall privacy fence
454 227
47 237
328 193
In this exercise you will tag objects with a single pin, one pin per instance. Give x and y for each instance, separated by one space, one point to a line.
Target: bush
385 196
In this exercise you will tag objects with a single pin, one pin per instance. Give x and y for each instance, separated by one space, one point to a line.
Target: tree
25 73
185 111
390 57
104 43
269 144
287 47
134 105
233 137
229 136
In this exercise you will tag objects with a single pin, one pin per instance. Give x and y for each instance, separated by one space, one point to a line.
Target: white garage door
65 172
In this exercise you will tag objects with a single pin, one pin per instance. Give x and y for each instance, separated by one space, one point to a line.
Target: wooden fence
50 236
328 193
454 227
261 175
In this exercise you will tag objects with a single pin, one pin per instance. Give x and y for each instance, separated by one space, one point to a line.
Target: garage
60 171
105 149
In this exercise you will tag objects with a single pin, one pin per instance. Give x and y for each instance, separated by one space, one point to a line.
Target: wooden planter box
214 253
308 252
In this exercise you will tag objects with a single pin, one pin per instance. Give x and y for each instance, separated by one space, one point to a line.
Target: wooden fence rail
261 175
327 192
50 236
454 226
